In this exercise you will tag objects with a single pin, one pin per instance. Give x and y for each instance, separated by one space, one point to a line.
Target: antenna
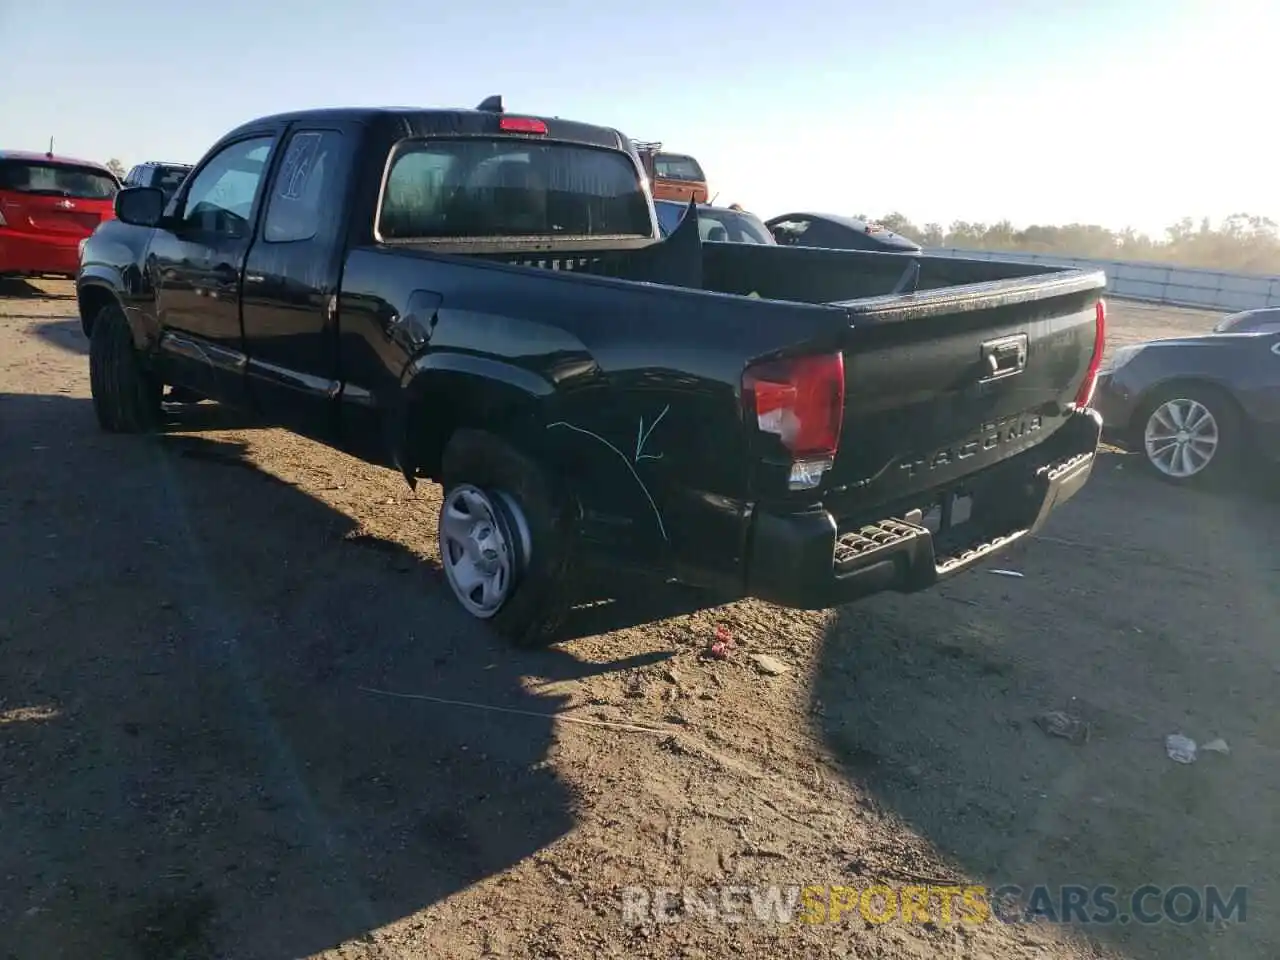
492 104
50 153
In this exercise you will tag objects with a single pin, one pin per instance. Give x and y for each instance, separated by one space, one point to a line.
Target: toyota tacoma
485 300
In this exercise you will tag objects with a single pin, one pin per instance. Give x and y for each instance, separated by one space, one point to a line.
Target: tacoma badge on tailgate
991 435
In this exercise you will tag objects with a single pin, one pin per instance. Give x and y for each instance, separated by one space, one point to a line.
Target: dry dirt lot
192 765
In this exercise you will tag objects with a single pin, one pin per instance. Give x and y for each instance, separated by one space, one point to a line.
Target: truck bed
916 331
807 275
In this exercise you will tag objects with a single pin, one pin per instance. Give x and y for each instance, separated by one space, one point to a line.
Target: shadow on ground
18 289
1143 611
191 767
66 335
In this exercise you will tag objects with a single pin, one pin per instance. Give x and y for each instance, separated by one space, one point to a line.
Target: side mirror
140 206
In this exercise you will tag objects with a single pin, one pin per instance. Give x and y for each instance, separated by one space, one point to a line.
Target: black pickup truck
486 300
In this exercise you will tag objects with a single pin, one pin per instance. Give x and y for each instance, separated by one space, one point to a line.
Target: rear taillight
801 402
1085 396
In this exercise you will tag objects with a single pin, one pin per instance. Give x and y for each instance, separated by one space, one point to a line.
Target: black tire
543 590
1226 457
126 397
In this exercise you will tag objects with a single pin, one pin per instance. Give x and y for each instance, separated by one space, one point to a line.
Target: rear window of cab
471 187
670 166
56 180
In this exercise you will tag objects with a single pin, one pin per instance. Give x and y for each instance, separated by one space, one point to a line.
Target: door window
302 194
221 197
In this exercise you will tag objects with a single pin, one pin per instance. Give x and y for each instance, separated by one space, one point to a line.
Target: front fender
110 270
97 287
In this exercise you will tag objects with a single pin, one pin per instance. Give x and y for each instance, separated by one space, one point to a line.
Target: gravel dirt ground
193 765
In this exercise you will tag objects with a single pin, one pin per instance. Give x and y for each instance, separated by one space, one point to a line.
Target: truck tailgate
944 383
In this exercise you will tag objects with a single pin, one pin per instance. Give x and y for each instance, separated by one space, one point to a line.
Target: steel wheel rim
480 558
1181 438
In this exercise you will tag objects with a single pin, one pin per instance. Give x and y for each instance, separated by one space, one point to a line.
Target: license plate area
958 520
60 222
948 514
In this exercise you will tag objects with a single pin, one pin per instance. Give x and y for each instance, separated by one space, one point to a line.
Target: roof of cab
433 121
30 156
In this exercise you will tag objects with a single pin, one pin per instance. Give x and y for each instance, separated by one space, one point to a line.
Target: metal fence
1155 282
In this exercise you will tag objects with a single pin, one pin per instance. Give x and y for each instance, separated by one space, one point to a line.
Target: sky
1120 112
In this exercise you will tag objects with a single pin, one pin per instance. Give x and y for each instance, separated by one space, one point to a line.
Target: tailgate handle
1003 358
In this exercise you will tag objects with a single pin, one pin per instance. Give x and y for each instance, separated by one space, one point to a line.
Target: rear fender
441 392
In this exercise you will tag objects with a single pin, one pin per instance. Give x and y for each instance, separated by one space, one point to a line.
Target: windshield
168 179
714 224
440 188
672 167
1250 321
732 227
56 180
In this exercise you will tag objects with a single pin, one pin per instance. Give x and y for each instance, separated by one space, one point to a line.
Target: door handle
254 278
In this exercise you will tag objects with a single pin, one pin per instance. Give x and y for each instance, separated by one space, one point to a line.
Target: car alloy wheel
1181 438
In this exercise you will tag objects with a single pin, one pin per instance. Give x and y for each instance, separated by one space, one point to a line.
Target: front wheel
126 397
1190 434
506 539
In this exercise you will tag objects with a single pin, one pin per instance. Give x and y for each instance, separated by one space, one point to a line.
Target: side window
302 194
415 193
792 232
220 198
131 178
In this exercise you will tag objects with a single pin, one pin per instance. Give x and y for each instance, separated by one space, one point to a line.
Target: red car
48 205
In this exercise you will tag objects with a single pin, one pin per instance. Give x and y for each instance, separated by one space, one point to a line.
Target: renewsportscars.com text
968 904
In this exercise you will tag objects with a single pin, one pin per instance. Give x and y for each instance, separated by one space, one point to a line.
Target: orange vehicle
673 176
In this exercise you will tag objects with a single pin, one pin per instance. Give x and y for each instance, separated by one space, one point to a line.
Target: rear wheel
1190 434
506 540
126 397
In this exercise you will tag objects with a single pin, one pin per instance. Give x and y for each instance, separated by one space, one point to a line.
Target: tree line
1242 243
